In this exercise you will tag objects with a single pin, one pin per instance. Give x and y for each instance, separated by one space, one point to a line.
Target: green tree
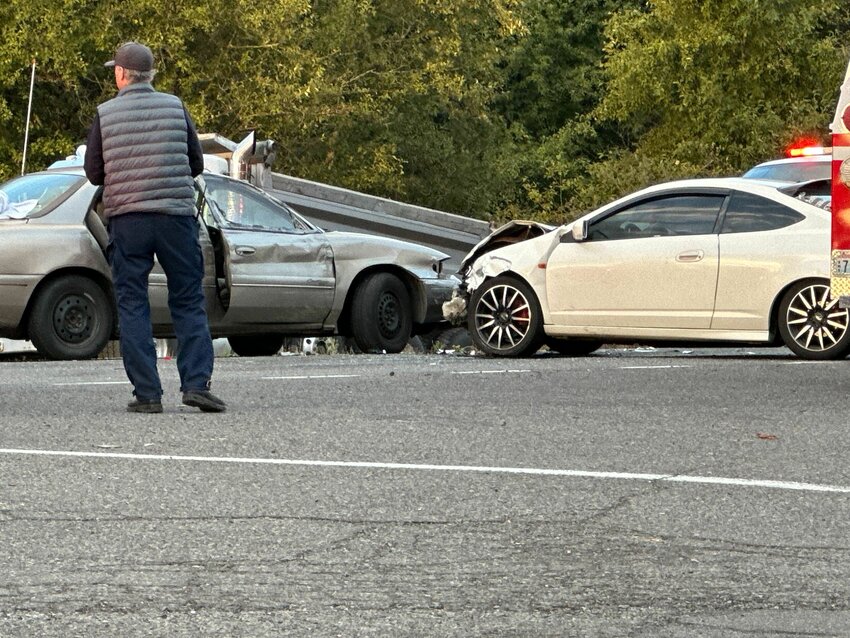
553 79
52 34
385 96
490 108
710 87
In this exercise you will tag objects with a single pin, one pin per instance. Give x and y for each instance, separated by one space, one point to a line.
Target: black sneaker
205 400
148 406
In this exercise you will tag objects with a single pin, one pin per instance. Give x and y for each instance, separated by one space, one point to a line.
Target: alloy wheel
814 320
503 317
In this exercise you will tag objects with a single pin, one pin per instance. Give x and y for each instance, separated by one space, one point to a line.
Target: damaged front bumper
479 264
438 292
483 268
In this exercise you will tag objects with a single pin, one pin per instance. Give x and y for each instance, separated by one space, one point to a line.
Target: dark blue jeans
134 239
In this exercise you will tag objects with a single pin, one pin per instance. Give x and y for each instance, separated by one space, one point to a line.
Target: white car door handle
690 255
245 250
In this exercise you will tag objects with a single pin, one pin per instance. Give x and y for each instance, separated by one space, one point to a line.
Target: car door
759 238
158 284
650 264
277 269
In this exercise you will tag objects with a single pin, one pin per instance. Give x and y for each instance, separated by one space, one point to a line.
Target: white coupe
714 260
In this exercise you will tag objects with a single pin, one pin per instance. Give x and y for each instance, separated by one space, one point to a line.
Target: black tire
811 324
72 318
505 319
256 345
381 315
572 347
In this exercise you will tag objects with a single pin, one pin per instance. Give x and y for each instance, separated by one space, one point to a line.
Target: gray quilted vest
145 153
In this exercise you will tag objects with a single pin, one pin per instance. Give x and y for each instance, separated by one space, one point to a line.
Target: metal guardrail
334 208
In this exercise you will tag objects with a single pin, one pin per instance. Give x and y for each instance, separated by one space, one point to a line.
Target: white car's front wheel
505 319
811 323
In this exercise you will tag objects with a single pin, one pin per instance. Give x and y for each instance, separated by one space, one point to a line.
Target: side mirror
580 230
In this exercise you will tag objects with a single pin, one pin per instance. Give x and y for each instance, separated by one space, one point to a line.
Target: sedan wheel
505 318
381 315
71 319
811 323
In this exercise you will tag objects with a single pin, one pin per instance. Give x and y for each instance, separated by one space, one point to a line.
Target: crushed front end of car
479 265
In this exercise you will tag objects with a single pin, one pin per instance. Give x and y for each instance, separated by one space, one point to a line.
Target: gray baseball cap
132 55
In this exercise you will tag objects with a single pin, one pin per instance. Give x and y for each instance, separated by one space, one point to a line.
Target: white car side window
661 216
749 213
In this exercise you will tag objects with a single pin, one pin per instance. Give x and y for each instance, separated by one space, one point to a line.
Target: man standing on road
144 149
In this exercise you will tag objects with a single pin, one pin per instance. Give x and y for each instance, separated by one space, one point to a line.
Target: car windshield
791 172
28 196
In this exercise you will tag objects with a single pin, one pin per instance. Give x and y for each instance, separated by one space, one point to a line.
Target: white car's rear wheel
811 323
505 319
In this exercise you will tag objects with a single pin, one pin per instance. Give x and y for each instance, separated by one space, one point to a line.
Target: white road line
95 383
314 376
490 371
650 367
666 478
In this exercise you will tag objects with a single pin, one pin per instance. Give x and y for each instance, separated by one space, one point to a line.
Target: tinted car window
31 195
749 213
670 215
240 206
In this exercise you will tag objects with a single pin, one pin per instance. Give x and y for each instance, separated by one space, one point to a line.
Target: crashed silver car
269 272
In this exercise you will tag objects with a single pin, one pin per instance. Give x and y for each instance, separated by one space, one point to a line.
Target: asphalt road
663 493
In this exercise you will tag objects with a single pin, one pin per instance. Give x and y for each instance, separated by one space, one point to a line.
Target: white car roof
769 189
739 183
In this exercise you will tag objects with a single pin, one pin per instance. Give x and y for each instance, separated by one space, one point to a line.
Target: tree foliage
492 108
554 78
710 87
387 96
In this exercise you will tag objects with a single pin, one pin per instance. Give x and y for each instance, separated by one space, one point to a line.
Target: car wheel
256 345
381 318
572 347
811 323
505 318
71 318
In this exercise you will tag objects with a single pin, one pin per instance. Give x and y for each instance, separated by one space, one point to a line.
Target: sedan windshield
30 195
791 172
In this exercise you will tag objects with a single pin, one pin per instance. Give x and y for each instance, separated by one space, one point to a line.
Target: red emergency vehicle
840 270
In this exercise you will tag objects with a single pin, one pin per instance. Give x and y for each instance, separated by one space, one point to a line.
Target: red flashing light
806 151
806 147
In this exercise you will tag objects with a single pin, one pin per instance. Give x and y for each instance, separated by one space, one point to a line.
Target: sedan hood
348 244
